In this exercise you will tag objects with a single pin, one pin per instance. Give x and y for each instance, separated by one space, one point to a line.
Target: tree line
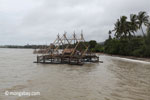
130 37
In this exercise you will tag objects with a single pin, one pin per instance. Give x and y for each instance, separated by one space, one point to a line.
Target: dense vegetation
126 40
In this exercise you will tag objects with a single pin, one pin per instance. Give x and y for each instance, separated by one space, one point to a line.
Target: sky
39 21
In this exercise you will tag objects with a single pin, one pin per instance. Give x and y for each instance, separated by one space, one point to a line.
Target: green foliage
147 43
92 44
132 47
125 41
99 48
95 47
111 46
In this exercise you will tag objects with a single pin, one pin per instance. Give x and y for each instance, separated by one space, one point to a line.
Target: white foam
133 60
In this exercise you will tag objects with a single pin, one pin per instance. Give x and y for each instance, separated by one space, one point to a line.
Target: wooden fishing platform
72 51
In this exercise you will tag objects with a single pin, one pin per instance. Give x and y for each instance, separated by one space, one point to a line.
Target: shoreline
121 56
128 57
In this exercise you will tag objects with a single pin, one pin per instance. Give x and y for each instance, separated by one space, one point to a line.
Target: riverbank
128 57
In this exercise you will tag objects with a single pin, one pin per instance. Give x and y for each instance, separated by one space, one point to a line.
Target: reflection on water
115 79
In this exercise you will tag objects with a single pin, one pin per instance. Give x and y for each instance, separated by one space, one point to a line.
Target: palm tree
143 19
123 21
117 29
122 27
133 23
109 34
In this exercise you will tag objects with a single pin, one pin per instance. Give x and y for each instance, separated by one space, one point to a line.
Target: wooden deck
59 59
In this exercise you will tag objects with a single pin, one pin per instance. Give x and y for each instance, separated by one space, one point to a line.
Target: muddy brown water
114 79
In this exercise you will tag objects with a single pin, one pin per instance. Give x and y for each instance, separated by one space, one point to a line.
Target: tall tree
92 44
133 23
110 34
143 20
122 28
117 28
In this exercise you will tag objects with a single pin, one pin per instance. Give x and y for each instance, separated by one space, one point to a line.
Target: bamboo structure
67 51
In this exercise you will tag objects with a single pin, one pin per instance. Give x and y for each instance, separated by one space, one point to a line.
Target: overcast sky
39 21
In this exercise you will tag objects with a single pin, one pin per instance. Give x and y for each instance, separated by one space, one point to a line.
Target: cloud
39 21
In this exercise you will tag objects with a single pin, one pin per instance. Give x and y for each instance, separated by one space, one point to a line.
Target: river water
114 79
